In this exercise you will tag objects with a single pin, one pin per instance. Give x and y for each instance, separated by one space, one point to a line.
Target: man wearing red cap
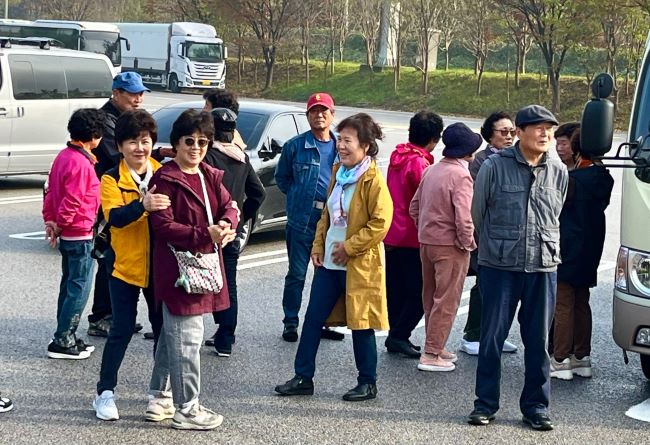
303 174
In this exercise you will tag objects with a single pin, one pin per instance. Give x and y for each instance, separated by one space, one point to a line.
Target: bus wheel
645 365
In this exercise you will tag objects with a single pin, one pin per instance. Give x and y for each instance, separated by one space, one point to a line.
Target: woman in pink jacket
69 210
441 211
403 267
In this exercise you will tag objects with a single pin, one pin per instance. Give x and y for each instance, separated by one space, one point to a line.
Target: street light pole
6 9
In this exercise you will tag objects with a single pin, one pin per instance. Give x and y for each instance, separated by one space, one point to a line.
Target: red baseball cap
323 99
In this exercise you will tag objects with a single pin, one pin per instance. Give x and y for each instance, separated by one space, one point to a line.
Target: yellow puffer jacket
130 242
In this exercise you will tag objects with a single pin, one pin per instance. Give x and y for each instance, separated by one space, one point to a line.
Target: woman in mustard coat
349 286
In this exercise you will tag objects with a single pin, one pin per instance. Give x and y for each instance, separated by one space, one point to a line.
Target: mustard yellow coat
371 211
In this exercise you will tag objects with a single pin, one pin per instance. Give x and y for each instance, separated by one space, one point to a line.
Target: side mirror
127 44
597 127
276 146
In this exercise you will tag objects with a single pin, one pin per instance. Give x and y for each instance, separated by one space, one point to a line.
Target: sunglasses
191 141
504 132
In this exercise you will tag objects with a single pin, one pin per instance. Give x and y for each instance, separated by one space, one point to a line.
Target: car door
281 128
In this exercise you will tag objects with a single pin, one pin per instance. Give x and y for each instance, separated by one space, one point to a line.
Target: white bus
95 37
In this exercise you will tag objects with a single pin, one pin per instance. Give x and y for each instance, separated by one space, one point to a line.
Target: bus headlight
640 272
620 280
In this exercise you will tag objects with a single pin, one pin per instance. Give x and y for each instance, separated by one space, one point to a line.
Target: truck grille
204 71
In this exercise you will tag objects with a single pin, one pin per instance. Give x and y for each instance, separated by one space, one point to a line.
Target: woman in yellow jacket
349 286
126 204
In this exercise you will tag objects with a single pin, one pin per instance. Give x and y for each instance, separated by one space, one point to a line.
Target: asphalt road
53 397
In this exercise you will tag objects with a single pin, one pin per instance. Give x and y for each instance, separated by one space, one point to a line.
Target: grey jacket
516 210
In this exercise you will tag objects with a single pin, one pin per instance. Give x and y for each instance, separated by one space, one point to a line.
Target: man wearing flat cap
518 197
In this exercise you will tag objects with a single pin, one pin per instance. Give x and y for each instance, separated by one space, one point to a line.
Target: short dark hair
576 149
189 122
86 124
368 131
566 130
487 129
222 99
133 123
425 126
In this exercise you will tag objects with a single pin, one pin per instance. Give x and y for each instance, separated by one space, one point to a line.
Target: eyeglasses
191 141
504 132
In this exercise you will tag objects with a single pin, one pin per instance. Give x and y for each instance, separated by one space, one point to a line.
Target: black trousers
403 290
102 296
227 319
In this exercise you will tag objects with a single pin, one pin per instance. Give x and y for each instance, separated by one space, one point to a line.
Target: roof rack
41 42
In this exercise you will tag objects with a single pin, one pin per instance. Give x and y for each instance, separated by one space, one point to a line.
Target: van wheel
645 365
173 84
246 235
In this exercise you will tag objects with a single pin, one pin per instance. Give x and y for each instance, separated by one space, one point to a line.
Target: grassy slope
450 92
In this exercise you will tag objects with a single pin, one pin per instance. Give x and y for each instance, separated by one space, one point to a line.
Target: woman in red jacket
185 226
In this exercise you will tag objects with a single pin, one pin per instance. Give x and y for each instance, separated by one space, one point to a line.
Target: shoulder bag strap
208 207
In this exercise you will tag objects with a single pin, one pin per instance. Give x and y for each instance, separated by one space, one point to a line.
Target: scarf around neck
230 149
143 184
344 178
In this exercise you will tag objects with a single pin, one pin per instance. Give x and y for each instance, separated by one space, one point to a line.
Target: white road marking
21 199
29 236
263 254
262 263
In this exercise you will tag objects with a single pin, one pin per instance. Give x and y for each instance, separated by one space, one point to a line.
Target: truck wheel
645 365
173 84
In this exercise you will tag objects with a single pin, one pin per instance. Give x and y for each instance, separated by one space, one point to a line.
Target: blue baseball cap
130 82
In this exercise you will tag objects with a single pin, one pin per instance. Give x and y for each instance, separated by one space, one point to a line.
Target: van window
37 77
87 78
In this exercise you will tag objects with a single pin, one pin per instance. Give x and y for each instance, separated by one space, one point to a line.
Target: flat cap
534 114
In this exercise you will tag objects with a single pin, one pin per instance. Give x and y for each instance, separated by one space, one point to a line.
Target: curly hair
86 124
132 124
487 129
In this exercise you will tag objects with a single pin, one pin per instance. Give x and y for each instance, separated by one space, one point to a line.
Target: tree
480 34
636 29
269 21
367 16
556 26
308 13
401 26
427 13
450 20
520 34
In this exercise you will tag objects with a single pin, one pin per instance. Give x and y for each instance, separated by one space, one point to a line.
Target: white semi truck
175 55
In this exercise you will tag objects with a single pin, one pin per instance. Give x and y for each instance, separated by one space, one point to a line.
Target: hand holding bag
199 273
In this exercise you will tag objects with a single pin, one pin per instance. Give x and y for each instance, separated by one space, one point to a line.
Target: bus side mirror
597 127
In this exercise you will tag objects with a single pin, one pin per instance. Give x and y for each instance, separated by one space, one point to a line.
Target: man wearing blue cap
128 94
518 197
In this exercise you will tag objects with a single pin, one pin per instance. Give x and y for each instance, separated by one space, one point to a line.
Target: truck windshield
640 125
204 52
103 42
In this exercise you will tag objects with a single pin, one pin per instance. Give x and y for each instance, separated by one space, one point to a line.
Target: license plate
206 82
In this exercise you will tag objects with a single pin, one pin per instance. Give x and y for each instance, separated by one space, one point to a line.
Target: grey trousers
178 356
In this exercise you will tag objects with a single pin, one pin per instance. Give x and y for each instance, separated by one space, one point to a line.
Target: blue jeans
501 291
327 287
77 267
299 244
227 319
124 300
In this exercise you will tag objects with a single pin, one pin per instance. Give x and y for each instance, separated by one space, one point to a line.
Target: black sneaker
83 346
71 353
290 333
479 418
539 422
149 336
297 386
330 334
100 328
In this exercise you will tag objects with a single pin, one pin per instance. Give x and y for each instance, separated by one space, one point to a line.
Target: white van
40 87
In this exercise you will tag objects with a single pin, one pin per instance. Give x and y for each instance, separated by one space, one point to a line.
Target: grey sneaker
199 418
581 367
100 328
159 409
561 370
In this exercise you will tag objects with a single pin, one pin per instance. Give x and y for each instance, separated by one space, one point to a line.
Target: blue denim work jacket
297 177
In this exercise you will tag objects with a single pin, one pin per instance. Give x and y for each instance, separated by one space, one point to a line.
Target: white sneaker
159 409
509 347
581 367
198 418
469 347
561 370
104 405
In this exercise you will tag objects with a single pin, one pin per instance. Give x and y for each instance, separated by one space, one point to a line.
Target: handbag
199 273
101 239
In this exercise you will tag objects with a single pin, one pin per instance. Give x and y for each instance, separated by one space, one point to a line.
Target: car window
87 78
303 123
250 127
37 77
283 128
165 118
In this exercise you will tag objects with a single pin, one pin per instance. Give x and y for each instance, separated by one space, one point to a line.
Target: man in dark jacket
518 197
128 94
247 191
582 237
